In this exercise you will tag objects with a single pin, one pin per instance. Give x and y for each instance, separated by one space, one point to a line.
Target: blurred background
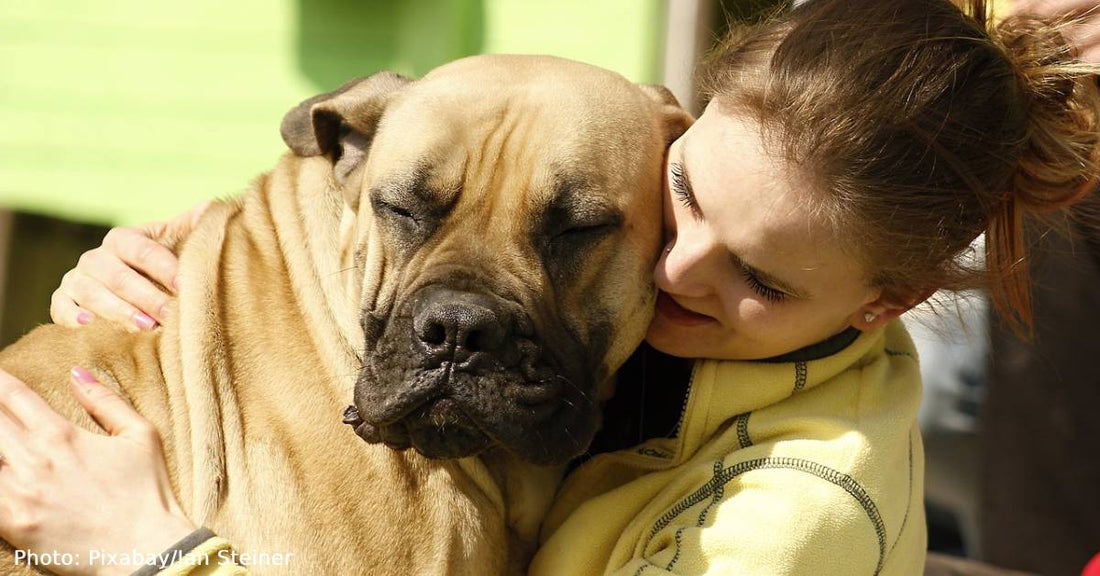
121 112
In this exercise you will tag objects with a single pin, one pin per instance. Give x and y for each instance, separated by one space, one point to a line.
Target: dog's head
514 210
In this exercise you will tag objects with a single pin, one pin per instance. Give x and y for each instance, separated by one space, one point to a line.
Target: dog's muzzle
462 371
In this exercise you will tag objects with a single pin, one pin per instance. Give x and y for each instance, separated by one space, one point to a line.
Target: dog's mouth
438 429
455 414
453 373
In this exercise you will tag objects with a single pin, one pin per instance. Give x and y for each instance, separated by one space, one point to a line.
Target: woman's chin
676 340
699 342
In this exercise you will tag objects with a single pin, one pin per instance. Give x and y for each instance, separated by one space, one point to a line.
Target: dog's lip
395 437
536 393
528 386
398 435
421 434
375 434
351 416
388 410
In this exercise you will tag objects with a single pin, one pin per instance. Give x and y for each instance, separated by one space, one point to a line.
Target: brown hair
922 125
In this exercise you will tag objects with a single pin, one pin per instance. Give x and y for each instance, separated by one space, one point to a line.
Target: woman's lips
677 314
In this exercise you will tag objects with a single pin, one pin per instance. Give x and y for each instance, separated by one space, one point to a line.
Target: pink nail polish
83 318
143 321
83 376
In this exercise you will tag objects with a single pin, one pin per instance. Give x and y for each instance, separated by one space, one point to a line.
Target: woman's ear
886 307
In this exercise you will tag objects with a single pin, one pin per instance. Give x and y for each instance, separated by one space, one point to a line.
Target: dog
466 256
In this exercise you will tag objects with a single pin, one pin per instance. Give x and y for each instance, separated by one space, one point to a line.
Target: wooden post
5 246
39 252
688 34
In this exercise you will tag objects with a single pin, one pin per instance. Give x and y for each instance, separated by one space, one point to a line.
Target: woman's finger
91 294
66 312
28 408
124 282
13 444
113 413
144 254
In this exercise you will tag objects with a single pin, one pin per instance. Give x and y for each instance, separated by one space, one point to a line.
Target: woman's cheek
748 311
743 310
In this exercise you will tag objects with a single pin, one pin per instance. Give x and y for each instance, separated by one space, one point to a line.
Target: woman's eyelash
680 186
764 291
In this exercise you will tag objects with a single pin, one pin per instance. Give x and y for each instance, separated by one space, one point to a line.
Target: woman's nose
682 269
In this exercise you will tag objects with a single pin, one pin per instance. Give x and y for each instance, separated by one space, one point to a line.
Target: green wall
124 111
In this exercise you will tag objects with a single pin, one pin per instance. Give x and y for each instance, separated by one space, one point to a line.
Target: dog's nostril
434 334
473 341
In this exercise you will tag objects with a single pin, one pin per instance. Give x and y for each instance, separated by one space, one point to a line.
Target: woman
850 152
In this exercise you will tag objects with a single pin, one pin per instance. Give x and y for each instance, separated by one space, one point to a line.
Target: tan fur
248 378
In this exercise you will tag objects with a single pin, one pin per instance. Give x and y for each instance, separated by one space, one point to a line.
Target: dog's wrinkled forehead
557 187
555 124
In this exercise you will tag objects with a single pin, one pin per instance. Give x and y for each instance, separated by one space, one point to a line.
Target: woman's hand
113 281
67 490
1085 33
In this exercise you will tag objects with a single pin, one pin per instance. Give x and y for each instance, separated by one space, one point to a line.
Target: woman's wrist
152 543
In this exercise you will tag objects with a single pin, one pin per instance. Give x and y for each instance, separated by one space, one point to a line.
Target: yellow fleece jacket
213 557
778 468
794 468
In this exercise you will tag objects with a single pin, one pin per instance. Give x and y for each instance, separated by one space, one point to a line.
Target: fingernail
143 321
163 311
83 376
83 318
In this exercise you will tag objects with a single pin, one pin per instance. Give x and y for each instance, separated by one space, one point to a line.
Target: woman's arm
67 490
128 279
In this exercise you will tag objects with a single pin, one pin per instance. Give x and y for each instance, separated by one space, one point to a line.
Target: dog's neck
295 208
526 491
325 228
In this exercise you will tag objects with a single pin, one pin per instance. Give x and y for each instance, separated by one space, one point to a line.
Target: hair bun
1060 158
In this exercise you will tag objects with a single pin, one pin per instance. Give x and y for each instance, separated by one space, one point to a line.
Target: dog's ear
341 123
676 119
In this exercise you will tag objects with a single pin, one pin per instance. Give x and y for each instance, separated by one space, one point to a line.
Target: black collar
825 348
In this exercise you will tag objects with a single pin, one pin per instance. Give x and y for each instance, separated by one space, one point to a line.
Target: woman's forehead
759 207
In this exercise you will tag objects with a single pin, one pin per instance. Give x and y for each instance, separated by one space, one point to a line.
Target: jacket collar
721 390
820 350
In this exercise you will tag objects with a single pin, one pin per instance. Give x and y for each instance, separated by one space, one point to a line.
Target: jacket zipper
687 397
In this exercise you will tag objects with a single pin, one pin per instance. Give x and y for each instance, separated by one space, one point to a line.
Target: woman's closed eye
759 282
681 187
759 287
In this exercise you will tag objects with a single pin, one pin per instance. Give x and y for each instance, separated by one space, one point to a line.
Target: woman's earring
868 317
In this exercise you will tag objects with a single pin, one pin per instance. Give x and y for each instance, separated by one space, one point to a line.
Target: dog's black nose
452 322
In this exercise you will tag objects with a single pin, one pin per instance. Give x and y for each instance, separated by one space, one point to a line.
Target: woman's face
747 271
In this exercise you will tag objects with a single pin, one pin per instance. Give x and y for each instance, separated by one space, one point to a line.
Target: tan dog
472 251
